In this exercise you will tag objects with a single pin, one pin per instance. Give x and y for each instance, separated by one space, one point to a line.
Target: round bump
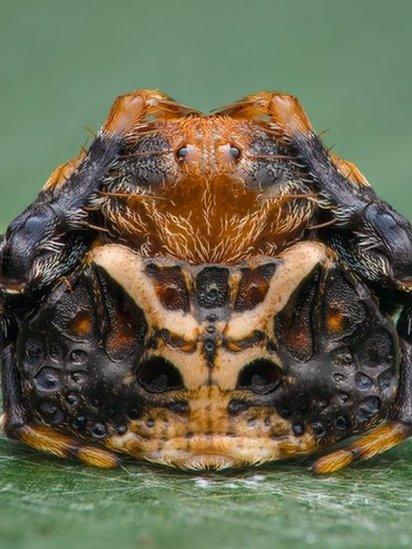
48 379
34 350
95 401
318 428
78 356
298 429
158 375
180 406
342 356
251 421
98 430
150 422
261 376
209 346
55 353
133 413
342 423
363 382
212 317
121 429
52 413
237 406
79 377
385 379
79 422
339 377
368 408
286 412
343 397
72 399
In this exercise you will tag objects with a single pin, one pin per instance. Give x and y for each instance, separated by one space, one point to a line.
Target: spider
207 291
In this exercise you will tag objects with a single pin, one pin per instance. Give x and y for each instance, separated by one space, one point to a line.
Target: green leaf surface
48 503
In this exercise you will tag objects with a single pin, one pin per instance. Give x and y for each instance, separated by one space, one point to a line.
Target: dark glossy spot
339 377
150 422
369 407
79 377
285 412
158 375
179 407
212 317
234 152
95 401
182 152
133 413
52 413
251 421
72 399
342 423
48 380
343 397
98 430
260 376
298 429
33 350
318 428
55 353
78 356
209 346
363 381
79 422
384 379
236 406
121 429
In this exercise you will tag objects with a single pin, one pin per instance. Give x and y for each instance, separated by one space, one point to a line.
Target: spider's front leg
47 240
366 232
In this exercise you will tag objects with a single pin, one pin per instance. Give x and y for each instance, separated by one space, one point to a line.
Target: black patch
212 289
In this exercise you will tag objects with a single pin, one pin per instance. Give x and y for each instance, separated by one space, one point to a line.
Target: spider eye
182 152
234 152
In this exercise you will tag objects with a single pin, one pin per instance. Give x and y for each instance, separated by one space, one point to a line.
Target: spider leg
49 238
368 234
380 439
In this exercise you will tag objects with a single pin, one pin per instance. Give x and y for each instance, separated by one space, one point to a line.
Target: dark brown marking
253 287
170 287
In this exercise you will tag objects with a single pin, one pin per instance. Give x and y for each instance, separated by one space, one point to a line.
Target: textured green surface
62 63
45 503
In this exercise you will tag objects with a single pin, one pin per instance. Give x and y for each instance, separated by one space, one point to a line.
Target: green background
62 64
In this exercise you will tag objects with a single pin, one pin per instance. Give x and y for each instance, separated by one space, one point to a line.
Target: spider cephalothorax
207 291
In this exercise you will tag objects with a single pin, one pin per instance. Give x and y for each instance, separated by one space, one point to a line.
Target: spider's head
207 189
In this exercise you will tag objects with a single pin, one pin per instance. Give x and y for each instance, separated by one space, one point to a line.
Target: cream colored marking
228 364
297 262
127 269
192 366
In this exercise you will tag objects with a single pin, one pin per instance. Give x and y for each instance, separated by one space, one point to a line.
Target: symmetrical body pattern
207 292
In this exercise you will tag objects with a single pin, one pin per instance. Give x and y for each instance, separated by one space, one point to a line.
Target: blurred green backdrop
62 64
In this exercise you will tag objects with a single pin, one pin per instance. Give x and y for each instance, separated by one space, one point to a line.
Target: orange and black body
207 292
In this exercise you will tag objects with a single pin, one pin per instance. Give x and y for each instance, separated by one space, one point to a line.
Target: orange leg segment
380 439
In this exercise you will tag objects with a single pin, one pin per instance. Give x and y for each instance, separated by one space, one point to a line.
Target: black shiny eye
234 152
182 152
